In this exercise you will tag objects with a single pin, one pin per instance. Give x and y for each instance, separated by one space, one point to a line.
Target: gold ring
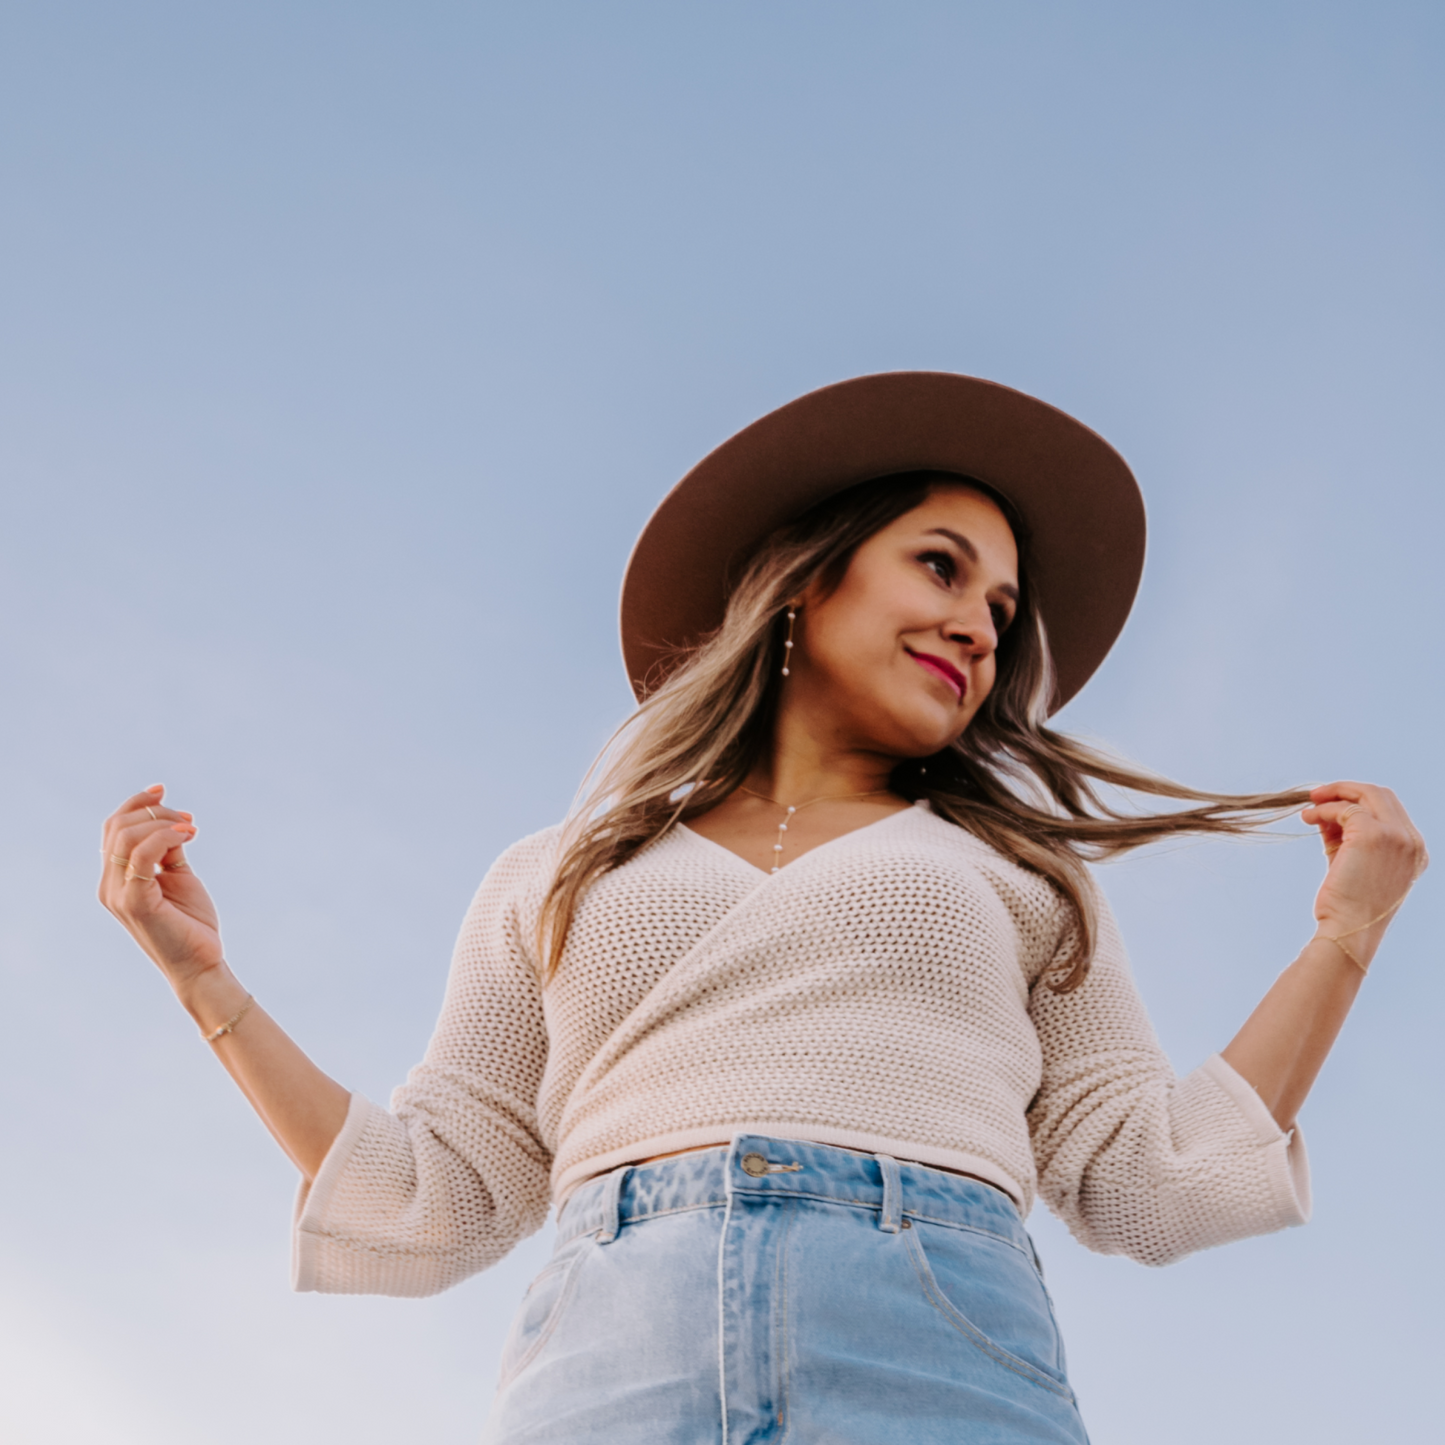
176 867
119 861
154 817
140 877
1353 808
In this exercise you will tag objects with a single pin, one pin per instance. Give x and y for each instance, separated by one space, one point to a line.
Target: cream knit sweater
882 992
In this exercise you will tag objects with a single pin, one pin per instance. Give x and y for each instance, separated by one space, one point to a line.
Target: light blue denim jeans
775 1290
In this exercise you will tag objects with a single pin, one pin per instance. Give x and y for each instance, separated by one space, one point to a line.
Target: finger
1378 803
138 898
116 851
136 803
175 875
126 840
149 798
112 876
158 813
149 853
140 851
1340 822
1368 799
1338 813
134 825
133 810
140 889
1341 792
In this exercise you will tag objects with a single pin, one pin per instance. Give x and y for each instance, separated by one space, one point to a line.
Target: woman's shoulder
510 894
526 861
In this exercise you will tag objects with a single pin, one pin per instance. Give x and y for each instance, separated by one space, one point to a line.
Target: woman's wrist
212 996
1358 945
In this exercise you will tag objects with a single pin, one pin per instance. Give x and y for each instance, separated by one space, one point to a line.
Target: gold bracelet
1348 953
1338 939
231 1022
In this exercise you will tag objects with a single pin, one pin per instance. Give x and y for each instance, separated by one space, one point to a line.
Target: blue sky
343 351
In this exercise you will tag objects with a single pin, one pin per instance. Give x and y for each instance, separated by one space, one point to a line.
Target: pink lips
942 668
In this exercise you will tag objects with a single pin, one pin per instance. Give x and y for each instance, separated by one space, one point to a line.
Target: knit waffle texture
884 992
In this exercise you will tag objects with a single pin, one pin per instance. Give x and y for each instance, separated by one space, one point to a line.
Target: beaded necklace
788 811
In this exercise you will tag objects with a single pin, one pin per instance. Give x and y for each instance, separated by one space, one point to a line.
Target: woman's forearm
303 1108
146 882
1375 855
1284 1042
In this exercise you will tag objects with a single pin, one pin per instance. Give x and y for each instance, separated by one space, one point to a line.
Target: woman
813 994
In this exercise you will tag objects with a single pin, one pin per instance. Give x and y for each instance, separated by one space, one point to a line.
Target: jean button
754 1164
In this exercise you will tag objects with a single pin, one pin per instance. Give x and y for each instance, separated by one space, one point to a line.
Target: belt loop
890 1214
611 1203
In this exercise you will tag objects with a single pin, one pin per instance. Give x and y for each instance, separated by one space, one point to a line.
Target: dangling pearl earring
788 644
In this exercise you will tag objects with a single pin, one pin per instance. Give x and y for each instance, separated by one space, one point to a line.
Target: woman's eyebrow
971 552
958 539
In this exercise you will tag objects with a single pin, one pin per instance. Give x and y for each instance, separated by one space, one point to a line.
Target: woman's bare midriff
961 1173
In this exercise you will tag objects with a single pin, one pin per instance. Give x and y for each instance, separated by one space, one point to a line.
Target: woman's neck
799 770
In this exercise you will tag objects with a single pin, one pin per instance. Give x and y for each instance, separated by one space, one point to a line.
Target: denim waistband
759 1167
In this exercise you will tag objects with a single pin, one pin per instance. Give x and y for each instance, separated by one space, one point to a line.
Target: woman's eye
941 564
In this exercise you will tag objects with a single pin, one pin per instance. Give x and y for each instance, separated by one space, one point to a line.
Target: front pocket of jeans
539 1312
991 1294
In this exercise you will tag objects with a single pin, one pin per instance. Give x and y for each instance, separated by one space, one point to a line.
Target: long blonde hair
1028 791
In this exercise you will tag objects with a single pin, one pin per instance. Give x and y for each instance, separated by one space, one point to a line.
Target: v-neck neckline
762 874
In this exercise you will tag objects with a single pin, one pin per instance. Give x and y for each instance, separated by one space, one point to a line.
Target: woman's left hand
1375 853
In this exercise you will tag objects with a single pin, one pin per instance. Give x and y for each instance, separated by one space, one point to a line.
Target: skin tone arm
1374 855
149 887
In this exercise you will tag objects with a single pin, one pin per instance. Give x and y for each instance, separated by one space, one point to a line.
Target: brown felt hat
1075 493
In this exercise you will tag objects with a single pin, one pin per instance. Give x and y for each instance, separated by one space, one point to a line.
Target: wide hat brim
1075 493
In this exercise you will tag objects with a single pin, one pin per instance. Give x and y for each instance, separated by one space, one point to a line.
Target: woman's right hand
147 884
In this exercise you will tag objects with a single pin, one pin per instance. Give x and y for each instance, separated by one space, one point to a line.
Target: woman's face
901 655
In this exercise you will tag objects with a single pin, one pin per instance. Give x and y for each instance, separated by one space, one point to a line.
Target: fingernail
186 829
156 788
188 816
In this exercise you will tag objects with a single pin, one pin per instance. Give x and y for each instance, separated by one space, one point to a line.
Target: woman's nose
974 628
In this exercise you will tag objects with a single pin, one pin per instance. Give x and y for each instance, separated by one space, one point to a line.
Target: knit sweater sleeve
1134 1160
411 1200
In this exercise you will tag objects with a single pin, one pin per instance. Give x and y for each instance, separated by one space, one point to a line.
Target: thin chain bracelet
230 1024
1348 953
1338 939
